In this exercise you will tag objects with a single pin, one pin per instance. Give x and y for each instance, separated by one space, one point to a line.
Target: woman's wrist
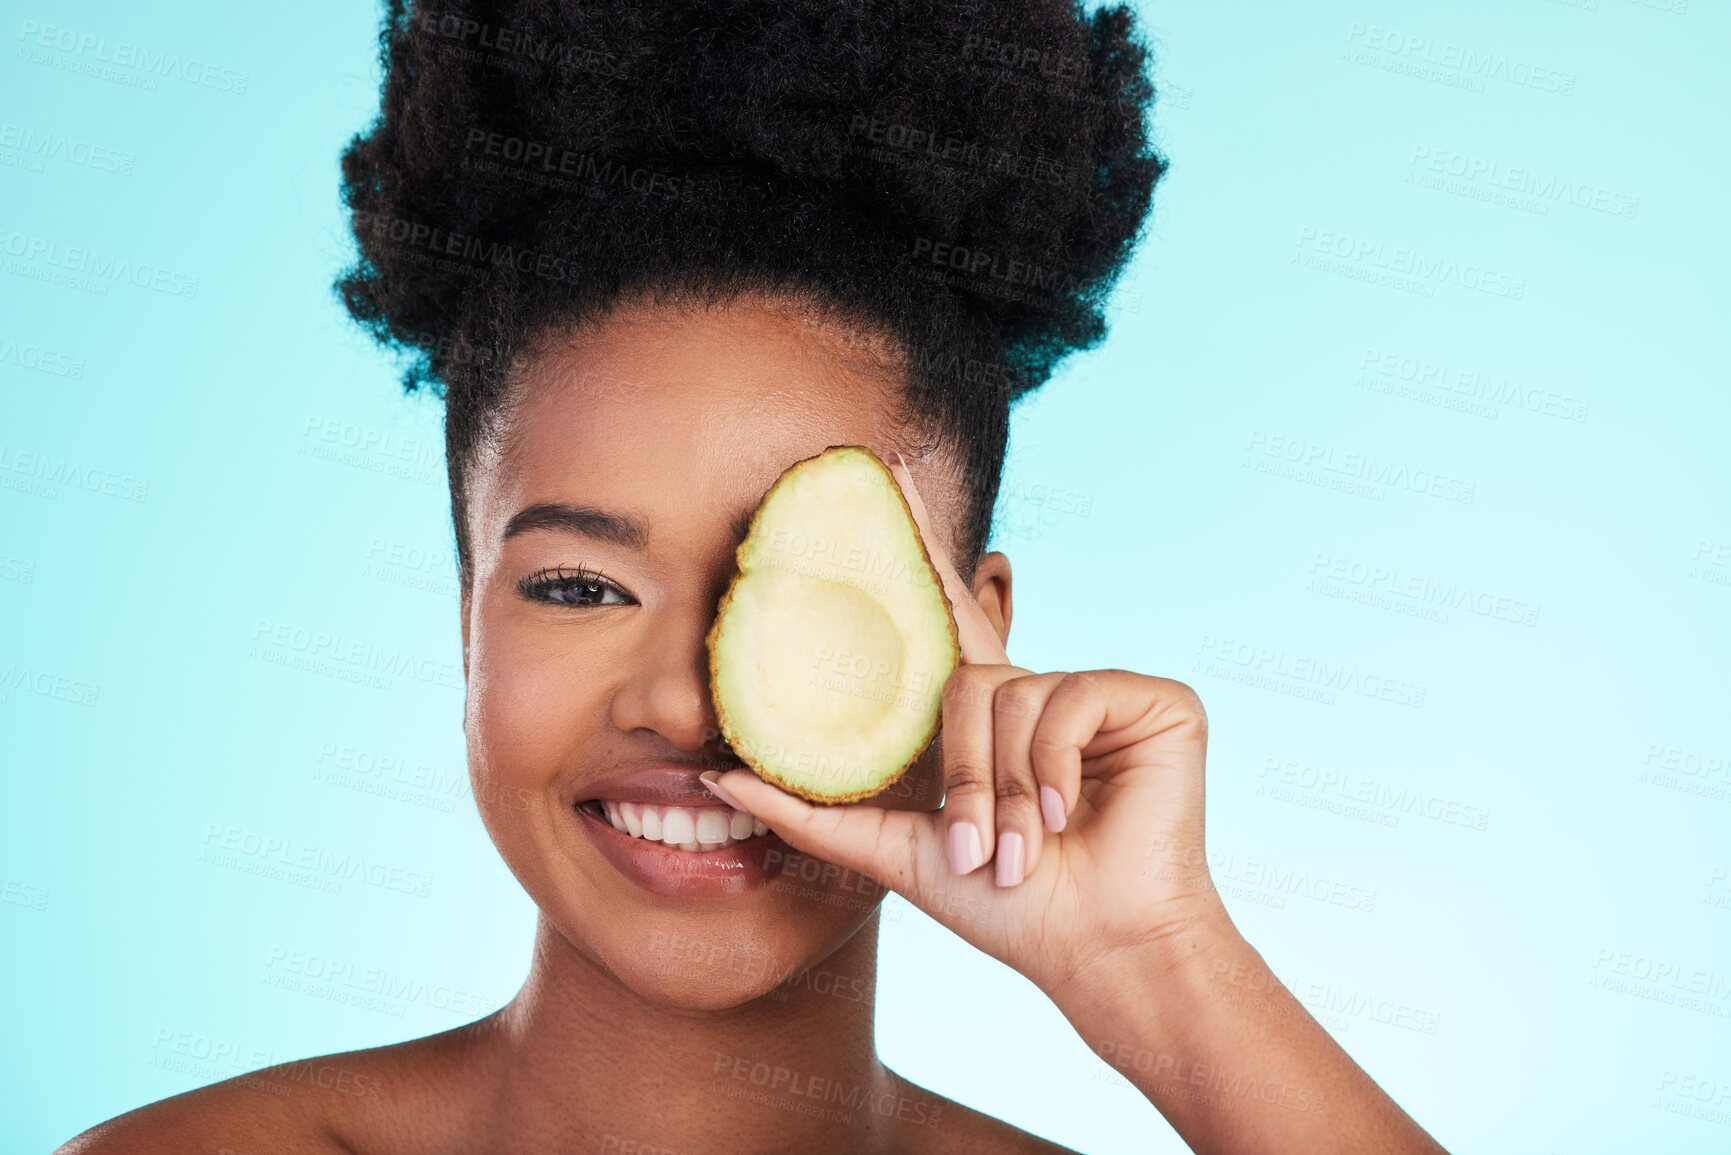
1150 992
1196 1021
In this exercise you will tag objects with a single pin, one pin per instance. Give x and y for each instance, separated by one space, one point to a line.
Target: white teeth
677 826
712 826
682 827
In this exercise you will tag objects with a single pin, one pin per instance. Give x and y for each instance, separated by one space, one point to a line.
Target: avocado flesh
831 647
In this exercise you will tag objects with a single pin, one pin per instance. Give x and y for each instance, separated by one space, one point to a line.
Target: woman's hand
1072 823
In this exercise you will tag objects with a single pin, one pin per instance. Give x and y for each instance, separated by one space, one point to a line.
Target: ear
464 606
463 614
992 590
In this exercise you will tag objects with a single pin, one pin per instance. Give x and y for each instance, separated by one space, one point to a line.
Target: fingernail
1052 808
1009 859
903 462
896 458
966 853
712 779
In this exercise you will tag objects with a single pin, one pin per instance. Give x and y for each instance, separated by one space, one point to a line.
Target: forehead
724 365
695 408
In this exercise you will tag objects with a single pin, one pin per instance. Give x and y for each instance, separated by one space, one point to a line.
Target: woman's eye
583 588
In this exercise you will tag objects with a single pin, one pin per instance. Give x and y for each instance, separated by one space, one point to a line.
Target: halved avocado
831 647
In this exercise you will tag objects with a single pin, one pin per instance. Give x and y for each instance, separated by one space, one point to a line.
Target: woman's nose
666 688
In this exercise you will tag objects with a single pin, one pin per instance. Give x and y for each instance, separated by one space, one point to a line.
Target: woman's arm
1197 1021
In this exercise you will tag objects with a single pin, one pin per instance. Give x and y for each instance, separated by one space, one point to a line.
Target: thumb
866 839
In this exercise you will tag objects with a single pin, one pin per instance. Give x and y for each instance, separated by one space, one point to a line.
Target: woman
650 257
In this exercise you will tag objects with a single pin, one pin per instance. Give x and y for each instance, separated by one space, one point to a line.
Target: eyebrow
586 521
582 520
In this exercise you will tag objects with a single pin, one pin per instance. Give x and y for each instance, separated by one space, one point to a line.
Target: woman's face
638 452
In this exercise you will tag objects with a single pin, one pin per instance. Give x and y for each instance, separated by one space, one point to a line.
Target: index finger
975 633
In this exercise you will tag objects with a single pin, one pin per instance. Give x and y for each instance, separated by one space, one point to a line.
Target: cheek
533 702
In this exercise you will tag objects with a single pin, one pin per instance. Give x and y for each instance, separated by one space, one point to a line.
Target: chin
698 989
722 955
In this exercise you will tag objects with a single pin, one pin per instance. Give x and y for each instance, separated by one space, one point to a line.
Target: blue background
1534 951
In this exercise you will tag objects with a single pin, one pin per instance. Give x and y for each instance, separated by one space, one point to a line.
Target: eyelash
540 585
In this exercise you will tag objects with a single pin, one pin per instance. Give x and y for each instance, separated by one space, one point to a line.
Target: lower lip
660 869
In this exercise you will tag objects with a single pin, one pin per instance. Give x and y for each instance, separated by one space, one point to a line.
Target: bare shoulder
378 1098
941 1126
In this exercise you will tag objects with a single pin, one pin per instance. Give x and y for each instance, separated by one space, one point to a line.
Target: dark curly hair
960 182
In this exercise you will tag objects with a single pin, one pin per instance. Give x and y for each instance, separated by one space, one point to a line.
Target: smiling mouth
688 828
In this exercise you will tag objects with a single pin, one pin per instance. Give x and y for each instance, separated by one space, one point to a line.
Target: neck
584 1063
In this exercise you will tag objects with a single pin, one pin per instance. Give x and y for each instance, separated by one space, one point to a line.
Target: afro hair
963 180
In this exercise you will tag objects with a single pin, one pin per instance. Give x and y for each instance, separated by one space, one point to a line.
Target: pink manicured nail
1052 808
712 779
898 459
966 853
1009 859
